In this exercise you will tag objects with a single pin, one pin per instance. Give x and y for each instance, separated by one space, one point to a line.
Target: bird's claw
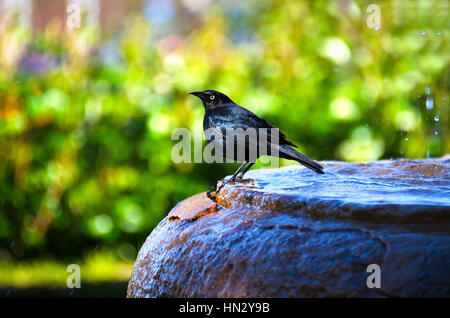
224 182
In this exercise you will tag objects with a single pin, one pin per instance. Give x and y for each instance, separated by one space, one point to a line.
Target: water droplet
429 103
427 90
436 133
423 33
438 33
436 118
376 28
406 138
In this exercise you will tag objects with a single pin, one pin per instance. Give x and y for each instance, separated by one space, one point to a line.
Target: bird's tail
289 153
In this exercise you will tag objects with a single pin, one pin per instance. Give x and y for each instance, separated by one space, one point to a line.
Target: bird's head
212 99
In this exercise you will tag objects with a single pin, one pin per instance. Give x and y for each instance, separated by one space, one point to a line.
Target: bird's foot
223 182
232 180
221 185
242 180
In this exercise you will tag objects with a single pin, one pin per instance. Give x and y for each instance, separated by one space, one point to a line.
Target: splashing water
429 103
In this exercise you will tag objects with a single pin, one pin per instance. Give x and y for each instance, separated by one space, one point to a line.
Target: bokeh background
86 114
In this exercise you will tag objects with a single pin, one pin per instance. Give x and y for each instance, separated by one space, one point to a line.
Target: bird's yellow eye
211 97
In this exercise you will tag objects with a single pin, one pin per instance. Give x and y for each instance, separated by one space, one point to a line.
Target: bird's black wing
235 116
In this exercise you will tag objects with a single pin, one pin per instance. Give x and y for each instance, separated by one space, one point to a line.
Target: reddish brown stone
292 233
193 208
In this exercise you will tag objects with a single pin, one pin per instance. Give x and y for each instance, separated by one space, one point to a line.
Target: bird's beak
198 94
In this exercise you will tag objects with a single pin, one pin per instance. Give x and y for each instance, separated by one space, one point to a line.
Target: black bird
221 113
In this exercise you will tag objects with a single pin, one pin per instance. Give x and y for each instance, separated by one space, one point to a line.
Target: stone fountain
379 229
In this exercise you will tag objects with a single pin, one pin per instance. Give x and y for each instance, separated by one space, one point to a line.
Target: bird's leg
241 176
233 178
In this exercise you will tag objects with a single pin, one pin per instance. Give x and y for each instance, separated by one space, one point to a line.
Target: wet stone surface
289 232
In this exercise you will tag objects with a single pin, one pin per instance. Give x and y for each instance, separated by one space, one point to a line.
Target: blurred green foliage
86 121
97 267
